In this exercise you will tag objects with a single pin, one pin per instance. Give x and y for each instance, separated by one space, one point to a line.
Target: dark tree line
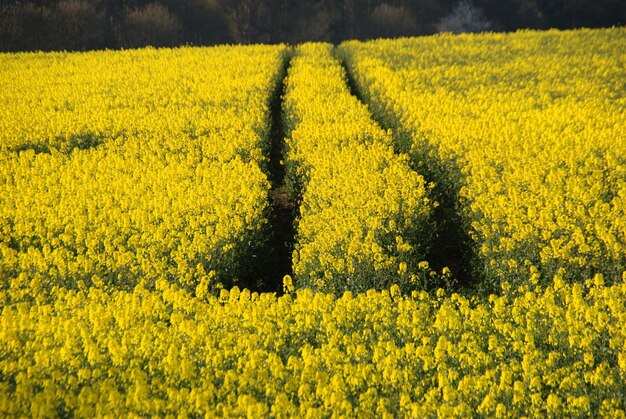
96 24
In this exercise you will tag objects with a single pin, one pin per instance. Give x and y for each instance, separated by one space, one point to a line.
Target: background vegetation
95 24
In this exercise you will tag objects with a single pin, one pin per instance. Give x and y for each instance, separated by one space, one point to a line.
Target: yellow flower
288 284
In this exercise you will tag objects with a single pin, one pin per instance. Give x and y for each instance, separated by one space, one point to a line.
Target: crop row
523 132
124 167
363 211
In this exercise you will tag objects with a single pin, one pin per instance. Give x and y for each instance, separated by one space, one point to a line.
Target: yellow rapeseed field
559 351
363 214
135 187
527 131
125 167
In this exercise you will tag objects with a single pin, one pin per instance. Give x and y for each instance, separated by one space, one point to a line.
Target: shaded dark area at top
75 25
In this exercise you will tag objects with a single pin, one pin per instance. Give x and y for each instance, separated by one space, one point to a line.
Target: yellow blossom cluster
558 351
526 131
363 211
129 166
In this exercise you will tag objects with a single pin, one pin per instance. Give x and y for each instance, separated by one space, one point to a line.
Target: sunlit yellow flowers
134 187
555 351
525 130
119 168
363 215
